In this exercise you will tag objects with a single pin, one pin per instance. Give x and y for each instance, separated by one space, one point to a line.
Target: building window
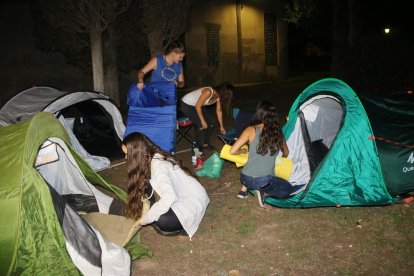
270 39
213 44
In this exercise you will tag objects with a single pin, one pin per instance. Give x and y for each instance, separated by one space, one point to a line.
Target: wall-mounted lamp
387 30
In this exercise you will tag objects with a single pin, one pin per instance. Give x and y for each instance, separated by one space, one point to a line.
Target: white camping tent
91 119
89 250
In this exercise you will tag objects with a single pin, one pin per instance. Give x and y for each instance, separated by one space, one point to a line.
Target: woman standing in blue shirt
165 67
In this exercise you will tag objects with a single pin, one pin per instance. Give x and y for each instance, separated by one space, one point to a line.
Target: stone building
239 41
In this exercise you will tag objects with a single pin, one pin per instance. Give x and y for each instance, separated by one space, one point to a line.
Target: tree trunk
111 83
155 43
239 39
339 36
97 59
283 41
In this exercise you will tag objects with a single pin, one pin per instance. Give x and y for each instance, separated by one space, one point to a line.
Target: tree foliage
309 15
298 11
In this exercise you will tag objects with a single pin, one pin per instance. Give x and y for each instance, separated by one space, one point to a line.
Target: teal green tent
44 185
392 119
336 160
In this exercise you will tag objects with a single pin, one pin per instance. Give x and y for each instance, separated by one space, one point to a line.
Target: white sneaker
260 198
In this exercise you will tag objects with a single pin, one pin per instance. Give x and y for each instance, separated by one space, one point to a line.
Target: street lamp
387 30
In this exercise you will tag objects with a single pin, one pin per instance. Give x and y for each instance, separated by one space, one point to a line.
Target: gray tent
92 120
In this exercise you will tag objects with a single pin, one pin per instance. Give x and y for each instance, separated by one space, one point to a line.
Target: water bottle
194 150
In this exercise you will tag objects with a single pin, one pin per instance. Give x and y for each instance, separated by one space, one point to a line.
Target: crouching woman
265 139
182 200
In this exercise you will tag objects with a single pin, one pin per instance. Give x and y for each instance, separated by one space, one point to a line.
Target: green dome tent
392 119
40 232
330 140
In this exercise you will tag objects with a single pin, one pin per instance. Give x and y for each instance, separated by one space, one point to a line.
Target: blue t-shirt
166 72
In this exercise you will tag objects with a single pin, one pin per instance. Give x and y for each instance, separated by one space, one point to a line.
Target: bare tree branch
90 17
170 18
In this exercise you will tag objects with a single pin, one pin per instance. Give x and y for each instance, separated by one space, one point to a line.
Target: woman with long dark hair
195 106
265 139
182 200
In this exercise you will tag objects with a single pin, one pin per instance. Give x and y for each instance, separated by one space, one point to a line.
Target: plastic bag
212 166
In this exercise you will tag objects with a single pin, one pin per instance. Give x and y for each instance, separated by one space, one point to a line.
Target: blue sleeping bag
152 112
154 94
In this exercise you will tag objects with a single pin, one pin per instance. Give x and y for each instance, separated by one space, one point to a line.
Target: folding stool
184 125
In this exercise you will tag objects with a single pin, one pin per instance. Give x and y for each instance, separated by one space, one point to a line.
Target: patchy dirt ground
237 237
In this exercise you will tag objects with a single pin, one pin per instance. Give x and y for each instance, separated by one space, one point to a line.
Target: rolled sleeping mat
239 159
283 166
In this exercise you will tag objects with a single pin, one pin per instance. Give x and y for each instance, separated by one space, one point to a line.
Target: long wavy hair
271 138
140 151
225 93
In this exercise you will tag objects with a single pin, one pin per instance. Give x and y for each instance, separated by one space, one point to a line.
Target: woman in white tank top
194 103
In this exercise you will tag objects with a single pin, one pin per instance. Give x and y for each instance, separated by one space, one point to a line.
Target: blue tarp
152 112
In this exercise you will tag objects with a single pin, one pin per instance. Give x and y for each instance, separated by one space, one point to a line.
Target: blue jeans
255 183
272 186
